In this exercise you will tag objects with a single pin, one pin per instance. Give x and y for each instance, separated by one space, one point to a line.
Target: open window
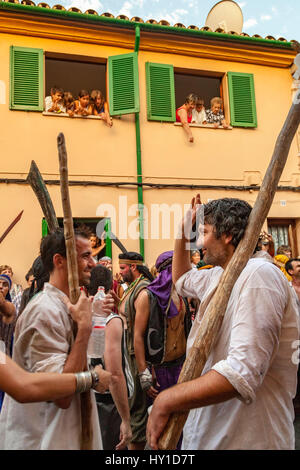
206 85
167 88
73 73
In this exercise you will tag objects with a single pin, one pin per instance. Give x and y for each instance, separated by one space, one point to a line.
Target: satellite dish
226 15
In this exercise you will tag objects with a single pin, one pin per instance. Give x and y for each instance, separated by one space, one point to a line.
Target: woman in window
184 114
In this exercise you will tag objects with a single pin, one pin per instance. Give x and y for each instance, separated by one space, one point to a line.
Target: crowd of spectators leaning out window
93 104
86 104
193 112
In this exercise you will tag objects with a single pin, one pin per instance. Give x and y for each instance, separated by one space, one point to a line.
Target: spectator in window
184 114
215 115
69 103
99 107
54 103
82 105
198 113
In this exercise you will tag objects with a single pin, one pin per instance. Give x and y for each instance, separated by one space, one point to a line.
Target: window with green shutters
242 99
160 92
123 84
26 79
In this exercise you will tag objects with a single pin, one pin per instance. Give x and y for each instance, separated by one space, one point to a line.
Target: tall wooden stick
212 320
11 226
74 291
36 181
73 280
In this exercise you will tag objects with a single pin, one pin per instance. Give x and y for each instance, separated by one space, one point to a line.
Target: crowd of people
93 104
123 399
193 112
86 104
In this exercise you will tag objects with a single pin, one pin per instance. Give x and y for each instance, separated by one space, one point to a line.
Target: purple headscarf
161 287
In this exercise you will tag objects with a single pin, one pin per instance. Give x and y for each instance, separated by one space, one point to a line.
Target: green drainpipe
139 160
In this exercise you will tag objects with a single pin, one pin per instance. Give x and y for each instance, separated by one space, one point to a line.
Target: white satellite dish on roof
226 15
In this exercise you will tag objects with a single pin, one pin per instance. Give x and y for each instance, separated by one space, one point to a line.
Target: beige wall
217 157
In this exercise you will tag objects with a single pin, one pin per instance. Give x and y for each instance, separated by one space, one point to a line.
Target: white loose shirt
43 340
256 350
198 117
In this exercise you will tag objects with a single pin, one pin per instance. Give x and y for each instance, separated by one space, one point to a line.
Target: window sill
205 126
45 113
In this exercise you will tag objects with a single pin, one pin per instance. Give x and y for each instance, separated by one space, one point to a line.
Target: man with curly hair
244 397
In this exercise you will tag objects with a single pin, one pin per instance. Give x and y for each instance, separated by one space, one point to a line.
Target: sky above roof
269 17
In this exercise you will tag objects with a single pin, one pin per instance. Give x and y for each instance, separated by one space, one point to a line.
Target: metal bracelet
84 381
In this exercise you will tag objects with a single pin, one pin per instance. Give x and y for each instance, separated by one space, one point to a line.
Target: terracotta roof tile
137 19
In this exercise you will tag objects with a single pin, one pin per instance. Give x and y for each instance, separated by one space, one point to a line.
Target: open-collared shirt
43 341
257 351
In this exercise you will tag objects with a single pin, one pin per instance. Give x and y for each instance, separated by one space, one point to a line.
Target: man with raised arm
243 399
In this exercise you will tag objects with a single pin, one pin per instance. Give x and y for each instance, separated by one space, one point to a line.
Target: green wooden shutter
123 84
160 92
242 99
26 79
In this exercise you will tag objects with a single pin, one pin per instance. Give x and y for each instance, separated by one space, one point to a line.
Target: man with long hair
138 276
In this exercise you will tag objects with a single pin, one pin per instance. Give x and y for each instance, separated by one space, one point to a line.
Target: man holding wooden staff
45 342
243 399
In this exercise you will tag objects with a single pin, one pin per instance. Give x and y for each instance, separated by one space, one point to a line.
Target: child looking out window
82 105
198 113
69 103
99 107
54 103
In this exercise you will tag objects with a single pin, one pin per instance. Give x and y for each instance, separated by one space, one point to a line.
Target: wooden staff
36 181
73 280
14 222
212 320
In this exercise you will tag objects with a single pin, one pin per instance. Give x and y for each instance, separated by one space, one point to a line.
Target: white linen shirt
43 340
198 117
254 351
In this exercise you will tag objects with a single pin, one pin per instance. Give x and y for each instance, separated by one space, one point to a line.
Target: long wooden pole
212 320
74 291
73 279
11 226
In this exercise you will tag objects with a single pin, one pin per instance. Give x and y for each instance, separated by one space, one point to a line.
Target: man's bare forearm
76 360
209 389
118 390
181 257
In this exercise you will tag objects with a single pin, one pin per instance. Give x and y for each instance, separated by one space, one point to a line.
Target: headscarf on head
280 261
161 287
6 278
